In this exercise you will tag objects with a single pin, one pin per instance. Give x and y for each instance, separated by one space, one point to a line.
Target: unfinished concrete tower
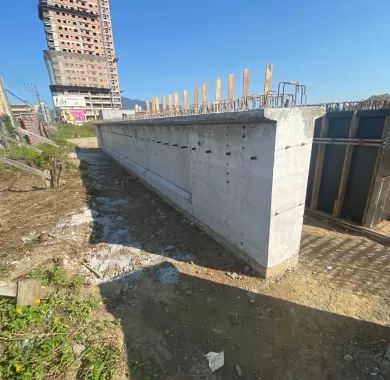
80 58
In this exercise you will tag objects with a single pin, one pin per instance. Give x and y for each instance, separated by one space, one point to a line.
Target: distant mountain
129 104
379 98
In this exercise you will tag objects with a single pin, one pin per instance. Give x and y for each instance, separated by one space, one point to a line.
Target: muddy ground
179 295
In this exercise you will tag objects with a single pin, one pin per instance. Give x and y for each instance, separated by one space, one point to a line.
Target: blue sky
339 49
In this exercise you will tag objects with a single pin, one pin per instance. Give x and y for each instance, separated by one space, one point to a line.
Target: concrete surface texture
241 176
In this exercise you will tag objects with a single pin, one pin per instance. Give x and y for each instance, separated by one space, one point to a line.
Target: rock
189 292
233 275
78 349
246 269
348 358
62 262
238 370
329 267
43 237
32 236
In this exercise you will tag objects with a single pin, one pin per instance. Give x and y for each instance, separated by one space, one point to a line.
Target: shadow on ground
127 214
169 327
171 318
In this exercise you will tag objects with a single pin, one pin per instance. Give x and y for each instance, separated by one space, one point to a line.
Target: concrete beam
241 176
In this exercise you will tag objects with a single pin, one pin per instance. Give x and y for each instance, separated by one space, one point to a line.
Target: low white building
114 114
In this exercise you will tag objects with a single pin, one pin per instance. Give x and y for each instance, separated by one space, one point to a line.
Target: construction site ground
177 294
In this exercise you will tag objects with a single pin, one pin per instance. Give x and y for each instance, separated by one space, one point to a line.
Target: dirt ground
179 295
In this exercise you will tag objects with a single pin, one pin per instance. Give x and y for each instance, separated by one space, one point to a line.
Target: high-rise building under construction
80 57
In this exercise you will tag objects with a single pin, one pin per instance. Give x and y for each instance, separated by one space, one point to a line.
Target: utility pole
33 88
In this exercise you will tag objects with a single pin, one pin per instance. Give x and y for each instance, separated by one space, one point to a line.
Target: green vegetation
69 131
5 121
55 336
33 158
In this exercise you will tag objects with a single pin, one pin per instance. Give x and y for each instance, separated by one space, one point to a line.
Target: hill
129 104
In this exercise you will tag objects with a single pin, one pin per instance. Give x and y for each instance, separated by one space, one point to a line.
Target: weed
38 341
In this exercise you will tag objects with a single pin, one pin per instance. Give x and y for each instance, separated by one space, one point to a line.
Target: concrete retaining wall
241 176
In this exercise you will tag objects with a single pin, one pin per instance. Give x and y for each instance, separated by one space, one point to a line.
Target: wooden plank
185 100
338 204
245 83
267 83
231 86
204 92
24 167
196 96
177 102
371 234
157 104
8 289
319 165
29 290
386 127
164 104
218 90
268 79
170 103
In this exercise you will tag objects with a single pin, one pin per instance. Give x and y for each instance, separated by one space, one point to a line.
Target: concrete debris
72 155
43 237
122 181
216 360
78 349
234 276
348 358
84 217
32 236
238 370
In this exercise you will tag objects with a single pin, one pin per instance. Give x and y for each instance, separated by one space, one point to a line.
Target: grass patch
56 336
69 131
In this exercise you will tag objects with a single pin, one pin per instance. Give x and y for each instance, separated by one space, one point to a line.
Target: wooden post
185 100
196 96
164 104
177 102
170 105
338 205
218 90
268 79
29 291
204 92
319 164
245 83
379 155
152 106
231 87
267 83
157 104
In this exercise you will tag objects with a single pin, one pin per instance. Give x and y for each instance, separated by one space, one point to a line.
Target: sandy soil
179 295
